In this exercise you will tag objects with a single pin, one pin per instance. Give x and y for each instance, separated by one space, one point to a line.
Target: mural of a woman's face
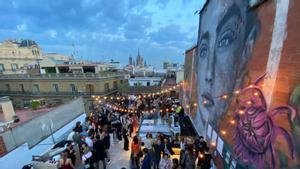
224 46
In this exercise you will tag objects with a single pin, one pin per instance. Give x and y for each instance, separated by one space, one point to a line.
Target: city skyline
101 31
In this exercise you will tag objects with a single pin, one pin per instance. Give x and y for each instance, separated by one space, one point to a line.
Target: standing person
99 152
206 163
203 144
125 138
147 161
71 153
189 158
165 162
157 148
65 162
148 143
167 147
106 140
175 164
183 145
78 127
135 152
86 157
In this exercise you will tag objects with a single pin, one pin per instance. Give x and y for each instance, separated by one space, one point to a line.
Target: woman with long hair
135 152
65 162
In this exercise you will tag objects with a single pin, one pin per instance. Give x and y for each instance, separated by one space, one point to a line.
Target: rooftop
27 114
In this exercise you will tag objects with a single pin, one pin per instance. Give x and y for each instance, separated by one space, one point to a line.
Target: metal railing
76 93
63 75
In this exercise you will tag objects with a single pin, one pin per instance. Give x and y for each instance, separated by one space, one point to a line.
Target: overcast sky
105 29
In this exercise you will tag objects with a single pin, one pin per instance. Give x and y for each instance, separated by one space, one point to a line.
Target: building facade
58 88
19 56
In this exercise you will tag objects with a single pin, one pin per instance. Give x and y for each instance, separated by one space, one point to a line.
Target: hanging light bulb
223 132
237 92
232 122
224 96
213 143
241 112
249 102
195 105
255 93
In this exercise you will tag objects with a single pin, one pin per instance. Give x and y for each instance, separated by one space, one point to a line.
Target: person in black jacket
125 137
99 153
167 147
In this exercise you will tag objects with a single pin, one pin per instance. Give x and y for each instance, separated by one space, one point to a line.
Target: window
72 88
55 88
2 68
21 87
36 88
14 67
148 83
115 84
7 87
106 87
89 88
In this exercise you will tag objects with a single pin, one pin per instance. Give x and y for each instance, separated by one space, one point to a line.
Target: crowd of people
109 123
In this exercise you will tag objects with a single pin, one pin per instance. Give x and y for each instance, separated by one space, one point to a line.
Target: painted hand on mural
257 131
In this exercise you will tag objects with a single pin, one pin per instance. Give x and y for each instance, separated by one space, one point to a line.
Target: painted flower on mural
257 131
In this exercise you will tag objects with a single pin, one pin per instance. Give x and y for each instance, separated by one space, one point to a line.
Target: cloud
104 29
22 27
52 33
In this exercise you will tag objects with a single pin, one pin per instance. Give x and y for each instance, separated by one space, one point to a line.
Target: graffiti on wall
227 37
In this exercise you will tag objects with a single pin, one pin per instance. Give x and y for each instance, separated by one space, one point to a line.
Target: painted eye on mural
226 39
203 51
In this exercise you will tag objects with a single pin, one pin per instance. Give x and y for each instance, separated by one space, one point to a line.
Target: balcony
44 94
102 75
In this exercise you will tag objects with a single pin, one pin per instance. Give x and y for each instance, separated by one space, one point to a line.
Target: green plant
35 105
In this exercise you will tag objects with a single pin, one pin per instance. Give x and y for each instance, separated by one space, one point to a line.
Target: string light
187 106
241 112
251 86
255 94
224 96
201 155
249 102
237 92
232 122
223 132
195 105
204 102
213 143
